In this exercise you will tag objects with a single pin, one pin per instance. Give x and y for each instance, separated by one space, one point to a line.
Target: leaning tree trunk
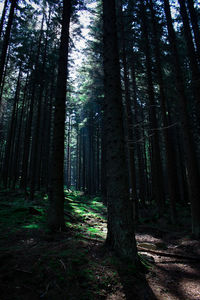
56 192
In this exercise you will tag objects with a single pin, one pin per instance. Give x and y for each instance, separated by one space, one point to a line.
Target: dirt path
176 265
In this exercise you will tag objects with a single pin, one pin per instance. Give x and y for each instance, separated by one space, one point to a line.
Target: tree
191 162
6 38
56 191
157 174
3 16
120 236
195 26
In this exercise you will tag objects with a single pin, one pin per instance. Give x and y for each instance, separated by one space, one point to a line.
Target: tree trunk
69 154
27 139
56 192
192 57
35 176
120 236
11 135
157 172
191 162
129 116
171 167
17 147
6 38
195 26
3 16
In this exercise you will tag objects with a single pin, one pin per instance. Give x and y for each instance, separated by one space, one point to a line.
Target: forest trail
75 265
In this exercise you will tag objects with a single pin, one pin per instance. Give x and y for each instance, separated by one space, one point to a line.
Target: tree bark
120 236
157 172
3 16
56 192
6 38
192 57
195 26
191 162
172 175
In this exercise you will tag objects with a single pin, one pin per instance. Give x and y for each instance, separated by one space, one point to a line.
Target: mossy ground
75 265
36 264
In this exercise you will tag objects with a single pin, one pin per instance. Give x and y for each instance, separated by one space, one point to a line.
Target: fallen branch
24 271
62 263
140 249
46 290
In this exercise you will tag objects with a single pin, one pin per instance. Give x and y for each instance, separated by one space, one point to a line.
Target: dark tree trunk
77 172
128 113
28 129
35 176
195 26
84 159
142 180
48 112
17 147
11 136
98 159
103 160
6 38
120 235
69 154
3 16
157 172
56 193
171 167
191 162
192 57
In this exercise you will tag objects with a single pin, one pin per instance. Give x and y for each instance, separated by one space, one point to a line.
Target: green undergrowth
17 213
91 214
38 264
84 215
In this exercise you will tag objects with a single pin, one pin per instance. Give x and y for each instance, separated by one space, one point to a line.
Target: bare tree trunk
120 235
3 16
195 26
191 162
172 178
157 172
27 139
69 154
11 136
192 57
6 38
56 193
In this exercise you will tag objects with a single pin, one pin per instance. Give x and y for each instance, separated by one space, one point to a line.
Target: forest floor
75 265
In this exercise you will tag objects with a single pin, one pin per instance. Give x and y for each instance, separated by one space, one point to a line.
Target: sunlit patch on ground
75 265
